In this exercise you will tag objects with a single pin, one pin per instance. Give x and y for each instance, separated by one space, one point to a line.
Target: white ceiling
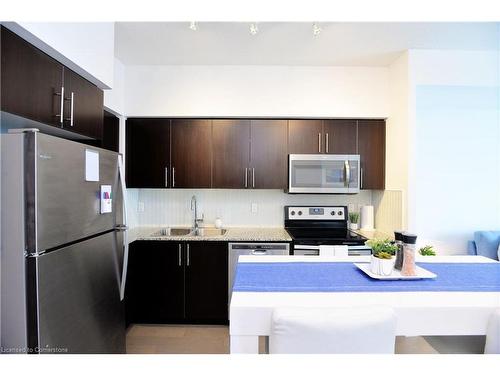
291 43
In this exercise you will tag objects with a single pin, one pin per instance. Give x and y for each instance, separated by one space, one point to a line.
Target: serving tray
396 275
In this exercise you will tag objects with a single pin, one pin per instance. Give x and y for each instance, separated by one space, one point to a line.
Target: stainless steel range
312 226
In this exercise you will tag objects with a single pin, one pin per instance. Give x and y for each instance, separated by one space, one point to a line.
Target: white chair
492 345
333 330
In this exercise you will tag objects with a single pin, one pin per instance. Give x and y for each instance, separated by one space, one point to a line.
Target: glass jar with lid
409 245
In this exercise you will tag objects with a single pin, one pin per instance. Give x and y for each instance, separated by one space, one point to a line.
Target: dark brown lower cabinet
206 281
155 283
177 282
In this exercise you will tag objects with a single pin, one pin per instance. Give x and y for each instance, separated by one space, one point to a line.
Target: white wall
454 141
85 47
114 98
391 205
256 91
172 206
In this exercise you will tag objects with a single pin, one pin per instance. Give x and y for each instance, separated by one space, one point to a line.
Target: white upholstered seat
333 330
492 345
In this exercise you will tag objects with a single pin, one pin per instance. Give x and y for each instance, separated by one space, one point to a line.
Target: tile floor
198 339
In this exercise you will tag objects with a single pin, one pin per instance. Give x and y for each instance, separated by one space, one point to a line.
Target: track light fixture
254 29
193 26
316 29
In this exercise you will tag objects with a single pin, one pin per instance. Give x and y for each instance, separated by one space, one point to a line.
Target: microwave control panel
316 213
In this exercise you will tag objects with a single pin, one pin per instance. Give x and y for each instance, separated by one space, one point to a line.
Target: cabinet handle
187 255
180 255
70 118
166 176
319 143
72 107
61 112
246 177
173 176
361 178
326 143
253 177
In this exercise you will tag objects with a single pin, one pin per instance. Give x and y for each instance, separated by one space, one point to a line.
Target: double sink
201 232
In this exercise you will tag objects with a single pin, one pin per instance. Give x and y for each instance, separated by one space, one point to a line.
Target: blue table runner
346 277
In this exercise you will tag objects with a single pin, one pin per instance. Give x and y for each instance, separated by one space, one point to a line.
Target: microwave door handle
347 173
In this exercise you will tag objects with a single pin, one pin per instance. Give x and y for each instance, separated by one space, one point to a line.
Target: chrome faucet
194 208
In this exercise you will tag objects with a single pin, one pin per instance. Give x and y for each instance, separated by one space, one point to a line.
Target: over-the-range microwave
323 174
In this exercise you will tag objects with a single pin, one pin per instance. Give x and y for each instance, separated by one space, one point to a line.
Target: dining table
459 301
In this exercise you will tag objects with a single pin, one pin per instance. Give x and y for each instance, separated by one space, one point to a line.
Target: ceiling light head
316 29
254 29
193 26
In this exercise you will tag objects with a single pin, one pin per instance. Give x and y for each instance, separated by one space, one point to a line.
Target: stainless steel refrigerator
64 247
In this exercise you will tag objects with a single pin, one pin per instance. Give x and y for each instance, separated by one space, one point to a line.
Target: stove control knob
292 213
339 213
332 213
300 213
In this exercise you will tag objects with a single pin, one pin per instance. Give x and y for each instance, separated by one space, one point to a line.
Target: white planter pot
353 226
381 267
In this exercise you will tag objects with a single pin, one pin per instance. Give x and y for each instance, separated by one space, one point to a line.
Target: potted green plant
427 250
382 259
353 220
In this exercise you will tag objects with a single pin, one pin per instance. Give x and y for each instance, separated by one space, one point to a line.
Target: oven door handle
259 252
306 247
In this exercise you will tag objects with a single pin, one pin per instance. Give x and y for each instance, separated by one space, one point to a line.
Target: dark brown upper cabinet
305 136
110 132
309 136
371 147
268 154
37 87
244 153
231 153
83 108
340 136
148 153
191 153
31 81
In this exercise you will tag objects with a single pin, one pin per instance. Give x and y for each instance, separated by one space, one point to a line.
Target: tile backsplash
247 208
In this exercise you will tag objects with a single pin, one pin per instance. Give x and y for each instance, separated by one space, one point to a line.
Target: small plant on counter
382 259
353 220
383 255
427 251
354 217
382 247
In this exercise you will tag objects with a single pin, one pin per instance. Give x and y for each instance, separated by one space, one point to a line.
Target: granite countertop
371 234
232 234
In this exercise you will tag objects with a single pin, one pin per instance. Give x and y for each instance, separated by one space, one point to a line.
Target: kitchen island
419 313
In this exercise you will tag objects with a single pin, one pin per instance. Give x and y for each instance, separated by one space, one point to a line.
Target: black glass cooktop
329 236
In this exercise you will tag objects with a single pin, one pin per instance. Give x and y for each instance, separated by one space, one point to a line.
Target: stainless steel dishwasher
252 248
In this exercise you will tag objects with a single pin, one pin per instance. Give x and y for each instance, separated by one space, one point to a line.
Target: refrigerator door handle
121 172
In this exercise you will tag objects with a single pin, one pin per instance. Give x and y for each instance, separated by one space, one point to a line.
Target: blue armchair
485 243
